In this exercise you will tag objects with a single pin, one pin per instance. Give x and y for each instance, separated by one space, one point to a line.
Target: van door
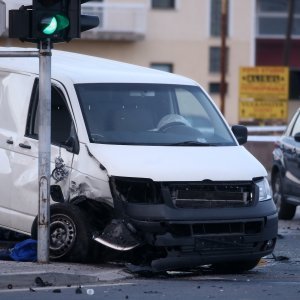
24 198
15 93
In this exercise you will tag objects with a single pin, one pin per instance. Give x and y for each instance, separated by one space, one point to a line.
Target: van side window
62 127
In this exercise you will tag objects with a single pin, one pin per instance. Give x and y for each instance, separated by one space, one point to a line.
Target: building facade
183 36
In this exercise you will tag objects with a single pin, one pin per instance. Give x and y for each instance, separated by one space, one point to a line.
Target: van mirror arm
71 145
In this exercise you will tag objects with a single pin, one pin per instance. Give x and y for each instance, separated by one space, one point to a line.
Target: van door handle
9 141
24 146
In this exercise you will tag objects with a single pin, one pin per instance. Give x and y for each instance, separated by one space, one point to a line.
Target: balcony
118 21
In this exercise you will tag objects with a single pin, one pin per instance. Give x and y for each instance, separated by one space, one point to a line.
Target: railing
118 21
261 141
265 133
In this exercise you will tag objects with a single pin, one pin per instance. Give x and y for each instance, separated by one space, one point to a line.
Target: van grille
212 195
217 228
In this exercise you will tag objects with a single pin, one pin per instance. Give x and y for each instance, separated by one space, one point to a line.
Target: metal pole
44 150
287 43
2 17
19 54
223 55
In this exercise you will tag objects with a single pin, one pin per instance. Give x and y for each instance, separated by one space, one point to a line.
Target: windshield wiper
192 143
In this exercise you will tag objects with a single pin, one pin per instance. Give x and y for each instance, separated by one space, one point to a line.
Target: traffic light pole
44 150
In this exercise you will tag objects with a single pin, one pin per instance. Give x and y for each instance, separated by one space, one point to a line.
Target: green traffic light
51 25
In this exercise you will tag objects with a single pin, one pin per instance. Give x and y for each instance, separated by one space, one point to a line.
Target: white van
142 162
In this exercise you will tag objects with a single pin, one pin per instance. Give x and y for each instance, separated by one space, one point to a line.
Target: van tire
235 267
285 210
70 234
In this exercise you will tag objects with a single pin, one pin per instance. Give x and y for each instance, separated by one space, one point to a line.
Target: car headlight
137 190
264 190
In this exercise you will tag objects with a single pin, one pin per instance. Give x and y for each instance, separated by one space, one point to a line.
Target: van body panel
15 93
178 163
95 186
83 185
86 69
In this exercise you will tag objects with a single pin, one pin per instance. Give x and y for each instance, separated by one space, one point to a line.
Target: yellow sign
264 93
263 109
264 82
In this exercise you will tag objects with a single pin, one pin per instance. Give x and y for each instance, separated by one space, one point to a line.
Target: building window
215 59
162 67
215 17
272 18
165 4
215 88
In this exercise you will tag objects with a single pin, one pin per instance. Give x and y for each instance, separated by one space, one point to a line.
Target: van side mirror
241 133
72 145
297 137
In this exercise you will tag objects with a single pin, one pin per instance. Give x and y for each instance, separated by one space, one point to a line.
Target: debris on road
40 283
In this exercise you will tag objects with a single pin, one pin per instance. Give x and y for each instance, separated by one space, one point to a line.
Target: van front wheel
70 237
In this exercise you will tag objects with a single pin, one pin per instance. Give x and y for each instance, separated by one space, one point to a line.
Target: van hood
178 163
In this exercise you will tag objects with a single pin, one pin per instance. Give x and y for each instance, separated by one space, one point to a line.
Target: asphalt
14 275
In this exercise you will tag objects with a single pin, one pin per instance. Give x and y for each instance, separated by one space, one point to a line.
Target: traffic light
52 19
87 22
57 20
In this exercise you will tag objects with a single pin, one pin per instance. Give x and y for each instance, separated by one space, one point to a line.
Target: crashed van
142 162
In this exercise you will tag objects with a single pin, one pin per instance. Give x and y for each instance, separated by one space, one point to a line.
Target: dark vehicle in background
285 175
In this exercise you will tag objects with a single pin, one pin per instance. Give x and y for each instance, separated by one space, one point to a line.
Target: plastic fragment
39 282
90 292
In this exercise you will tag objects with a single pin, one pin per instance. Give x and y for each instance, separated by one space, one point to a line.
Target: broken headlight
137 190
264 190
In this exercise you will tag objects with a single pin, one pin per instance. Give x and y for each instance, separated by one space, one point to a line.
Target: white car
142 161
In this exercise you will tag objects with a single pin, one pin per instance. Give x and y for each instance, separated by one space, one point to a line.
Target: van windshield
151 114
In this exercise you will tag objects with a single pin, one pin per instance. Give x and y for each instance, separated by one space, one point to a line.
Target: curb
15 275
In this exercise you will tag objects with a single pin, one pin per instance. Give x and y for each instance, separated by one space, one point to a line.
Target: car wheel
235 266
70 235
286 211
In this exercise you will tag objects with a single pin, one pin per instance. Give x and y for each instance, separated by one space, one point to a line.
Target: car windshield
151 114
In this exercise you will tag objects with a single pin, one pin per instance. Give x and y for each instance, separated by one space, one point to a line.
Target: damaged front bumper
186 229
189 244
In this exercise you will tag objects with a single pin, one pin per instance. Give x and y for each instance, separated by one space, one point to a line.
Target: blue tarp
22 251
